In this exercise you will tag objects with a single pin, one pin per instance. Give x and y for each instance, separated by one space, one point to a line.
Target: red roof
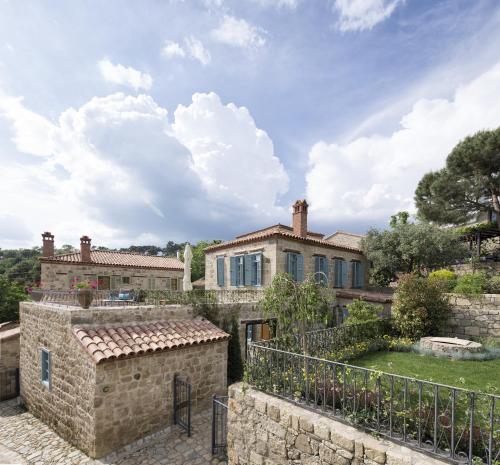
124 259
285 232
113 342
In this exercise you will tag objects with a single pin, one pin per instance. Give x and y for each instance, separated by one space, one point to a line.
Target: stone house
9 360
251 260
109 270
103 377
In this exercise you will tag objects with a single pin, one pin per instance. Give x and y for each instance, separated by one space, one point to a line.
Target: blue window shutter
317 269
288 263
220 271
324 270
300 268
233 270
248 270
361 273
344 273
260 259
354 274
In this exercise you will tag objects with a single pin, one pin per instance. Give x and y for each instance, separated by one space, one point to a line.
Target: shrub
420 307
362 312
10 296
471 284
493 285
446 278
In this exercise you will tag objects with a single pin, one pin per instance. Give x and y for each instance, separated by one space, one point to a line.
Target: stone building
251 260
103 377
109 270
9 360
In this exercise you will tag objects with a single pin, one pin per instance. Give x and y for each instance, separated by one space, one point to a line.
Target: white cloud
172 50
358 15
291 4
197 50
370 178
125 76
230 154
117 170
238 33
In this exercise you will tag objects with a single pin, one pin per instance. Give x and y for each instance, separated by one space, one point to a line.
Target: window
295 266
174 284
46 367
125 279
340 272
321 270
220 271
246 270
357 274
151 284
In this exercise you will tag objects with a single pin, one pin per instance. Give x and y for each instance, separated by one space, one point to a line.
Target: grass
475 375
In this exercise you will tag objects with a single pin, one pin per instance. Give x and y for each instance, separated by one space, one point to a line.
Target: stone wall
490 267
9 362
274 251
134 397
474 316
58 276
264 430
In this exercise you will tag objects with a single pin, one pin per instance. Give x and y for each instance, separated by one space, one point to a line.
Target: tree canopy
467 185
10 295
408 247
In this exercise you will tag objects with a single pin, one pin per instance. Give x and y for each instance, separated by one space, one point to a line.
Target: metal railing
219 426
443 421
152 297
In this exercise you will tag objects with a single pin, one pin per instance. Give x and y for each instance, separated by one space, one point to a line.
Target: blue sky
142 122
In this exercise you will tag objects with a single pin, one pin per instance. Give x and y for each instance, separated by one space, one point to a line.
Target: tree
10 296
469 183
408 247
198 262
297 306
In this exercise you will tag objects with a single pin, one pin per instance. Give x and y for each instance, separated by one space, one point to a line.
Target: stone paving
26 440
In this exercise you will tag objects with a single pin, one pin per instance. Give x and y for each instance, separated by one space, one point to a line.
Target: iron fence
443 421
182 404
219 426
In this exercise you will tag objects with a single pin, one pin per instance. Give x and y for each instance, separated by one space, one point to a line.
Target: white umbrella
188 257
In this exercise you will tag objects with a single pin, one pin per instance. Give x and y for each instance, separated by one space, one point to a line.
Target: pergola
475 238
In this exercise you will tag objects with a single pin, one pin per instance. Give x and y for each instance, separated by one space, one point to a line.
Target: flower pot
85 297
36 294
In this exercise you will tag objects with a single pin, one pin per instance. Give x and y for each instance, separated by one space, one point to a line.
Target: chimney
48 244
300 218
85 249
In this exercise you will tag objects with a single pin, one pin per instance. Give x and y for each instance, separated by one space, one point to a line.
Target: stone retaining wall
474 316
264 430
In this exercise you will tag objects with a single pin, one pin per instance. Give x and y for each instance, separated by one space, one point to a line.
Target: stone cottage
103 377
109 270
251 260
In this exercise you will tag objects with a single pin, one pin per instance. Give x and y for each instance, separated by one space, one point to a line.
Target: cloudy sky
143 122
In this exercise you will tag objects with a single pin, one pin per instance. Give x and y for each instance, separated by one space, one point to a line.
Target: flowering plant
76 284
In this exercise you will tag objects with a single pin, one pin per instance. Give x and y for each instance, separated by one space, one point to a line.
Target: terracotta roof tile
285 232
125 259
128 340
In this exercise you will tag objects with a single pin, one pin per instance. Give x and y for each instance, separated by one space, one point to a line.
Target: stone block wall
134 396
474 316
264 430
9 362
57 276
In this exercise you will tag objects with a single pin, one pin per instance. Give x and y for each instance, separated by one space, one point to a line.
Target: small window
151 284
46 367
357 274
220 271
174 283
125 279
295 266
321 270
340 272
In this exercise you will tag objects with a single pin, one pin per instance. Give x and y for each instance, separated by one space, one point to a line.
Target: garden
371 372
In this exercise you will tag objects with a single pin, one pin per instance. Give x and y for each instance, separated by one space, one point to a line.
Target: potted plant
85 293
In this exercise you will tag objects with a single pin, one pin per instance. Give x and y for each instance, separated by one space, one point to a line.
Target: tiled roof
125 259
345 239
285 232
111 342
9 330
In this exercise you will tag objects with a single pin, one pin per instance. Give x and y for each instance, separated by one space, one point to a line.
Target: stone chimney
85 249
300 218
48 244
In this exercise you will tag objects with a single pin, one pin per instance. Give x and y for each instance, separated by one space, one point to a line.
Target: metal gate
219 426
182 404
9 383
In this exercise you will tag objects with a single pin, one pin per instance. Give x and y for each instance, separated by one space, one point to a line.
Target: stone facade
101 407
9 360
264 430
274 252
476 316
58 276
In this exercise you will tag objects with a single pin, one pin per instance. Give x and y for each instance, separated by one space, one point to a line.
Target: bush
446 278
362 312
10 296
493 285
471 284
420 307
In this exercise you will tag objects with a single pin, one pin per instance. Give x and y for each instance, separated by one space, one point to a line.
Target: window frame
46 373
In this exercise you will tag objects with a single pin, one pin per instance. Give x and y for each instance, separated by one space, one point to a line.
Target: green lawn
475 375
